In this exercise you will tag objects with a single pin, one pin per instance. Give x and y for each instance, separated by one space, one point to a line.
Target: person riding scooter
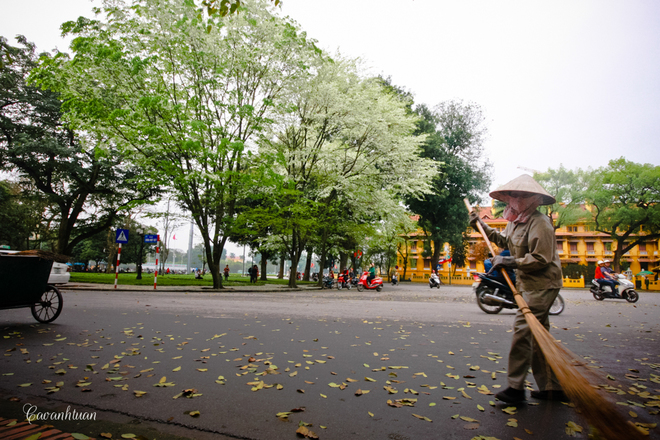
488 266
609 275
601 279
434 280
372 273
395 278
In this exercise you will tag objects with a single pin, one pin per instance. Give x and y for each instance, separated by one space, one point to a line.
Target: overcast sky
563 82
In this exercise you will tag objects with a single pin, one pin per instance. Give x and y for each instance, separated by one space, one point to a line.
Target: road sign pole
117 266
156 271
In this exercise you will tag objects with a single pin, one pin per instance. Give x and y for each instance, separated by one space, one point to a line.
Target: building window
642 248
572 228
590 248
413 246
574 249
413 263
608 248
473 265
427 264
560 247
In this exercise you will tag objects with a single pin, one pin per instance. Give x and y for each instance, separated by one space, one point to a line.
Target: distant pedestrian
226 271
254 274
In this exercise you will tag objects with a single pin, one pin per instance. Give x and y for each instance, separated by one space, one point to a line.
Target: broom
598 411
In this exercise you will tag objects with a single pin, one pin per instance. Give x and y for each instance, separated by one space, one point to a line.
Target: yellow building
575 244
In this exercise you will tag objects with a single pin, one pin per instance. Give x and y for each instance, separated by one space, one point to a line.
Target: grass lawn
167 280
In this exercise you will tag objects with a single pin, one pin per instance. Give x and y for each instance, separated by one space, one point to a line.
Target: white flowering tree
345 147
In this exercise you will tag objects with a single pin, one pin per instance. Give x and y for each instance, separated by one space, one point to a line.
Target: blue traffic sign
151 238
122 236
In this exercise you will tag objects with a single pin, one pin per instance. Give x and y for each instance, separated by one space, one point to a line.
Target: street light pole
140 232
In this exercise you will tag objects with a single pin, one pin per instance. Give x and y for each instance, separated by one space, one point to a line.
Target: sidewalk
150 288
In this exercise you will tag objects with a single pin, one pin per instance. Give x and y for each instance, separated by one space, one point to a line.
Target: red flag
174 237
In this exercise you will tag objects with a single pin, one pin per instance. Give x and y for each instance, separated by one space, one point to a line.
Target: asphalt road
245 357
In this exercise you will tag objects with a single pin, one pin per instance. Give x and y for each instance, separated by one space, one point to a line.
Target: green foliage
567 187
225 7
577 271
83 179
626 198
19 216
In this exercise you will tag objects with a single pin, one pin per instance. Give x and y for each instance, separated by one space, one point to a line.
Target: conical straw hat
526 184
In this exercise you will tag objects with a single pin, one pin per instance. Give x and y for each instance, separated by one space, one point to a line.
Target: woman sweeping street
530 237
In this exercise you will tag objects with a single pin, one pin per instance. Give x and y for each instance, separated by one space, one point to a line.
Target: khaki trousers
524 351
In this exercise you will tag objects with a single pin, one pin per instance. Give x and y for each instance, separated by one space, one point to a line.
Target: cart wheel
49 306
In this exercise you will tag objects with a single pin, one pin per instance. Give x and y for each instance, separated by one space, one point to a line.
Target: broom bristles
595 408
598 410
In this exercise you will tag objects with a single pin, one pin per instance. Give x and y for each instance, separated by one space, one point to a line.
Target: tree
456 133
626 203
567 187
20 216
185 94
84 179
344 145
91 249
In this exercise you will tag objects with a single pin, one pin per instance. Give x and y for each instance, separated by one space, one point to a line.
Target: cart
24 283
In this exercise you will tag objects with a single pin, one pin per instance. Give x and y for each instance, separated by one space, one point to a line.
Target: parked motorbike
343 281
434 281
626 290
494 294
328 282
376 283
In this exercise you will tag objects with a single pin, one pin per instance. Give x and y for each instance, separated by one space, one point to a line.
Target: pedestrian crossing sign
122 236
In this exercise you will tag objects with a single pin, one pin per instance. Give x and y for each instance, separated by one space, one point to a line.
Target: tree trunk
437 247
293 273
280 275
264 266
308 264
213 260
343 261
296 252
324 239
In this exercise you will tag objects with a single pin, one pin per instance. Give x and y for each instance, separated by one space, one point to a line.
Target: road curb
110 288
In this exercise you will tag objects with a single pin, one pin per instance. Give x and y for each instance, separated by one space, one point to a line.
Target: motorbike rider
609 275
530 237
372 273
600 277
434 278
488 266
395 276
347 278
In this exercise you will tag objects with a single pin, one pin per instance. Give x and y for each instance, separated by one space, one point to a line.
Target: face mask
519 209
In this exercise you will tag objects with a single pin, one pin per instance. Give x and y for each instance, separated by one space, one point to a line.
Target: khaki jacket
534 246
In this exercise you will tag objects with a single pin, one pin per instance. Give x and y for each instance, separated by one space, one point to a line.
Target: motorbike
395 280
376 283
343 281
494 294
626 290
328 282
434 281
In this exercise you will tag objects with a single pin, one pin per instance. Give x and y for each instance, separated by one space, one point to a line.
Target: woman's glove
500 262
474 219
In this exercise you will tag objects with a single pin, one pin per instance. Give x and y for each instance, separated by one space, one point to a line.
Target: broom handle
522 305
